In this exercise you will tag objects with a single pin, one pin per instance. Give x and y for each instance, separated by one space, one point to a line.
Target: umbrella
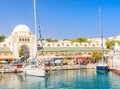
3 62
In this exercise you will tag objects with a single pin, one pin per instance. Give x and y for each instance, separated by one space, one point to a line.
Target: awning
7 58
3 62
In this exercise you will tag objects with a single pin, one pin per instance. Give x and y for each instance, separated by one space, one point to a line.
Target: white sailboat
102 66
34 68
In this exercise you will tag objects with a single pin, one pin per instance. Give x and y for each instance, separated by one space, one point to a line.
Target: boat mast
101 35
39 29
35 26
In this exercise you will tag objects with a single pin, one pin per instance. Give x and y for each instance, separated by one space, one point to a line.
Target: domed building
21 29
23 43
21 39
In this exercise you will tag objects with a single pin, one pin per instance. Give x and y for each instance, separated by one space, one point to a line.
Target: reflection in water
64 79
20 81
72 78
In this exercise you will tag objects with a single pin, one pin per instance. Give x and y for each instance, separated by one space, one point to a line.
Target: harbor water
63 79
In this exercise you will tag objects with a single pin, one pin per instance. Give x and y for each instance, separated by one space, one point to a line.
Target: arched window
4 45
58 45
48 45
20 39
93 44
67 45
85 45
28 40
63 54
89 53
76 45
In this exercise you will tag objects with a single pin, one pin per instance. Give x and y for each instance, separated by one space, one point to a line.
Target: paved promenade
72 67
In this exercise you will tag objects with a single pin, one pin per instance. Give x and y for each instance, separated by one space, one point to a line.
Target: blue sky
61 19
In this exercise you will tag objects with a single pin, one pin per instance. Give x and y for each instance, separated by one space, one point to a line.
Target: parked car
58 60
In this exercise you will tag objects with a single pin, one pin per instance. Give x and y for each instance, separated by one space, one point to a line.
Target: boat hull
40 72
8 70
102 68
35 72
11 70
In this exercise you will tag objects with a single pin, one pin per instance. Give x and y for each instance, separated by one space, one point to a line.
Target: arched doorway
24 52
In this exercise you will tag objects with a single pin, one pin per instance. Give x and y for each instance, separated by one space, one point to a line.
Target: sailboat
103 65
34 68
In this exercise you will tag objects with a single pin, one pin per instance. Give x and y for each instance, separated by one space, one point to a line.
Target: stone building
21 38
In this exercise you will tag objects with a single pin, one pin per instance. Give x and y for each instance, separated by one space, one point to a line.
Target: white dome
21 28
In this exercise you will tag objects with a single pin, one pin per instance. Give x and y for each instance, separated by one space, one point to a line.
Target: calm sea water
66 79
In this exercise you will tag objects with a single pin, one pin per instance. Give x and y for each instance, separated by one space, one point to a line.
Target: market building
23 38
20 38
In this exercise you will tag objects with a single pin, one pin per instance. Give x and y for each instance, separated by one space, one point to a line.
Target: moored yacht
103 65
36 68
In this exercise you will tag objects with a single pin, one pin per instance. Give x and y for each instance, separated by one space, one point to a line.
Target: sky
62 19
